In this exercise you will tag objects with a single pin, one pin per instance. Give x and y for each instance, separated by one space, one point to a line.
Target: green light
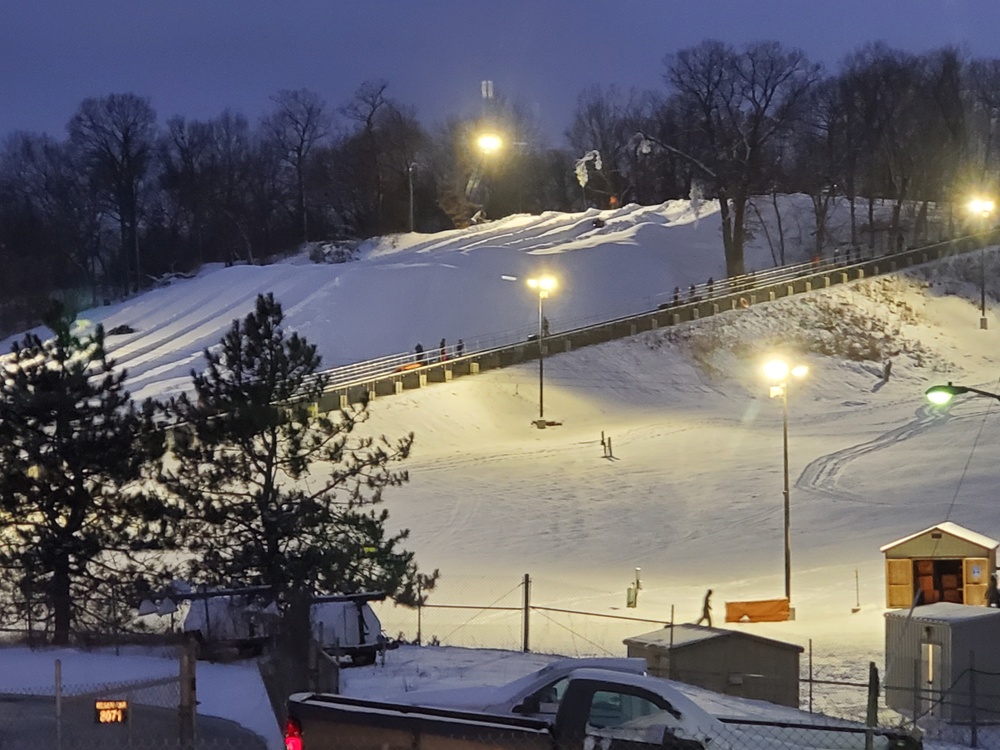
938 396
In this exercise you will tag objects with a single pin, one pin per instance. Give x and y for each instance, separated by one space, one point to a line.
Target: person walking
419 350
706 610
443 349
459 348
992 594
677 295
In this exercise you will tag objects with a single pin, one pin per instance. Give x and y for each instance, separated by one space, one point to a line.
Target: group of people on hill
442 352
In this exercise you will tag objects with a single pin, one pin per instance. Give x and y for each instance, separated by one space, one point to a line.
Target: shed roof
952 529
686 634
945 612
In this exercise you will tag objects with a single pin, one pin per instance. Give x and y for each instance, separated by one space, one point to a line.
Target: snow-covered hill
692 495
412 288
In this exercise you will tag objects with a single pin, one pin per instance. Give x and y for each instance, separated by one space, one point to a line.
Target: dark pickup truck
599 709
584 709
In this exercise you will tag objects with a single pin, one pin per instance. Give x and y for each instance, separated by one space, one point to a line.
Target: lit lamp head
777 372
943 394
543 285
489 143
982 206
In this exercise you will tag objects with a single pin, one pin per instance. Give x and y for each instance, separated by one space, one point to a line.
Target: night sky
197 57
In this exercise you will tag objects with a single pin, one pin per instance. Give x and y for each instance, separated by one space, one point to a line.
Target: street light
489 143
939 395
543 285
983 207
777 371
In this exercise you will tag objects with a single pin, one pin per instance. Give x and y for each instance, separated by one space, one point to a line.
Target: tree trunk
735 265
62 604
302 202
871 223
732 254
852 197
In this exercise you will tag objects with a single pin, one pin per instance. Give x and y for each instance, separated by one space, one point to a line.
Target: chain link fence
139 714
552 618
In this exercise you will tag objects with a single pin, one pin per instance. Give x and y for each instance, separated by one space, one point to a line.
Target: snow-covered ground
693 493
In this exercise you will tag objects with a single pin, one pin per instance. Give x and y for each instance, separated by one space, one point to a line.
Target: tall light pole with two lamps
543 285
982 207
778 371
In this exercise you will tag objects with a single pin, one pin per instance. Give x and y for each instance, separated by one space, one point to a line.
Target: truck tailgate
332 722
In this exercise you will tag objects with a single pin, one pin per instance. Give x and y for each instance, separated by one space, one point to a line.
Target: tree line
123 198
242 482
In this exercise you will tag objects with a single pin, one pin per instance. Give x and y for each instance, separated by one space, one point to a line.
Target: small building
943 563
930 656
724 661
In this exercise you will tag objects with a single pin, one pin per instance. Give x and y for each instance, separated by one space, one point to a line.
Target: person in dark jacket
992 594
443 351
419 349
706 610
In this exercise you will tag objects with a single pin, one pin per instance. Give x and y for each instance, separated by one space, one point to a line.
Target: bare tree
737 104
116 135
363 108
298 123
984 85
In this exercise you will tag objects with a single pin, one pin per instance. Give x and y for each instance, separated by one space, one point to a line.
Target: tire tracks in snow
823 474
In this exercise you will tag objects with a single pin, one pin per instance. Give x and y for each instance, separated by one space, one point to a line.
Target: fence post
871 716
188 697
973 726
59 704
810 675
916 691
670 659
527 613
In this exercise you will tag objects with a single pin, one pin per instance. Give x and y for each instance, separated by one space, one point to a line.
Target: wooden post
670 660
810 675
525 643
973 725
871 716
189 693
59 704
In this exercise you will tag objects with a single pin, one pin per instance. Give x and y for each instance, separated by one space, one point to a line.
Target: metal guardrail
394 373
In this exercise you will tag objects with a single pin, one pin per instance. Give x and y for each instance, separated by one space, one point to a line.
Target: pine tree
274 492
74 450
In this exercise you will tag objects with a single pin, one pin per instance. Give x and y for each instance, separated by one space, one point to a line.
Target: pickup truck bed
332 721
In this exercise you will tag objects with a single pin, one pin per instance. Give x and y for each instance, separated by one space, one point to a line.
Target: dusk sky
197 57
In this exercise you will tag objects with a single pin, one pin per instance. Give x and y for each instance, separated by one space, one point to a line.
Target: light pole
543 285
777 372
983 207
409 170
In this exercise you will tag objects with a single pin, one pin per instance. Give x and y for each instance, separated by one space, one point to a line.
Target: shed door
898 583
975 575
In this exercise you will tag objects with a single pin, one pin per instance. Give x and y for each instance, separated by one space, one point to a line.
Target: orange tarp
765 610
